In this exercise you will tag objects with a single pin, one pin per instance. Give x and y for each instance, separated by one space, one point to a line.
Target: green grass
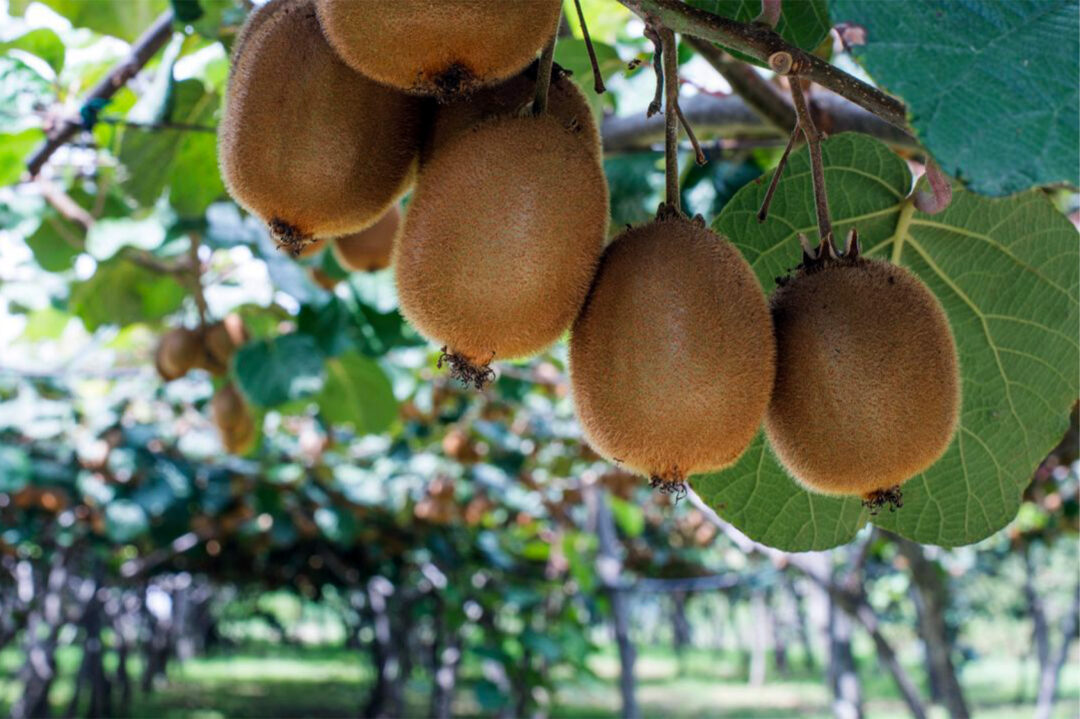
295 681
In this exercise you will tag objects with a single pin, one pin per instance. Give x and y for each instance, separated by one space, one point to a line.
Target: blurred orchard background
396 544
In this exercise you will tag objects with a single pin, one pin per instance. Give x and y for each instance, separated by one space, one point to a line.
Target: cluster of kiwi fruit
211 348
337 109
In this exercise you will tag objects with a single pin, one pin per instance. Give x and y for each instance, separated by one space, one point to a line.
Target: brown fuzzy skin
233 419
177 353
307 144
502 238
672 358
371 249
565 102
220 342
438 47
867 392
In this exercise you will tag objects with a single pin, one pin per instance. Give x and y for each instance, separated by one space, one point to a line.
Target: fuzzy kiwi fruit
438 47
177 353
371 249
672 357
867 389
566 102
220 342
307 144
501 241
233 419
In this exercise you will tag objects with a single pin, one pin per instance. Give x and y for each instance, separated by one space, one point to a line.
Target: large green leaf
804 23
286 368
56 242
126 20
357 392
43 43
14 147
1006 272
992 86
121 292
183 160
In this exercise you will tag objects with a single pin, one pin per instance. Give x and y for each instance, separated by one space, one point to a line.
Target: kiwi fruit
177 353
566 103
867 389
501 241
233 419
220 342
322 278
371 249
672 357
442 48
313 148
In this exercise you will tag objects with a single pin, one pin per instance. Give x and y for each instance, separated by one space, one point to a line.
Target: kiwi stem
699 155
817 166
670 52
543 76
598 80
770 13
940 194
764 211
658 68
196 277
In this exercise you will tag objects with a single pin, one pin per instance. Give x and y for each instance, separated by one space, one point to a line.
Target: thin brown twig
699 155
770 13
760 96
671 117
196 277
817 165
598 80
763 213
144 48
760 42
658 69
543 77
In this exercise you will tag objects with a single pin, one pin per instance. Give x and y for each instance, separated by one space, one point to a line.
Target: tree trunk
802 626
680 628
42 630
931 597
759 626
843 677
1050 674
609 567
386 696
777 633
445 661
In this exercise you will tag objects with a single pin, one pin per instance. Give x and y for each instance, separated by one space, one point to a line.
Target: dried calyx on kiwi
306 143
867 391
444 48
501 241
672 356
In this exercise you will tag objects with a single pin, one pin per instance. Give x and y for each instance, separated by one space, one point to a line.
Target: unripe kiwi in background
867 388
438 47
501 240
566 103
370 249
672 357
233 419
307 144
178 351
220 342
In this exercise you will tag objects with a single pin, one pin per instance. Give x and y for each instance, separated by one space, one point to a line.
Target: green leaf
43 43
55 243
107 237
125 20
14 147
15 469
121 292
804 23
1006 272
992 87
629 517
183 160
45 324
357 392
572 54
286 368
